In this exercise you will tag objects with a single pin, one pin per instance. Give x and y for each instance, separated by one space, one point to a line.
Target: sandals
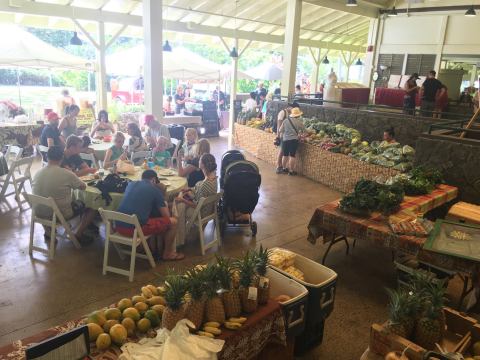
175 257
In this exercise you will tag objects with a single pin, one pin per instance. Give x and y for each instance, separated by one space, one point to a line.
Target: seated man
57 183
50 134
72 160
145 199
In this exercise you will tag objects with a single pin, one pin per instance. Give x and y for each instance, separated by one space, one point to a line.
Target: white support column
290 49
473 75
102 69
377 43
370 55
153 66
439 52
316 66
233 96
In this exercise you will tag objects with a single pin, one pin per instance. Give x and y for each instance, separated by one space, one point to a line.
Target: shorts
155 225
289 147
427 108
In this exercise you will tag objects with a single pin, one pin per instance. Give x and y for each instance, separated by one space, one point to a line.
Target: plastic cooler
321 283
295 309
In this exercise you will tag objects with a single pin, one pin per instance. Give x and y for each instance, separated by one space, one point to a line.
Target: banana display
212 328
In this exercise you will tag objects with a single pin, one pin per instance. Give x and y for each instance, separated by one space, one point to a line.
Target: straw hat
296 112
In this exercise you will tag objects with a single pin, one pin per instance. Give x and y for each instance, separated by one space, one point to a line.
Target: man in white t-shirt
251 103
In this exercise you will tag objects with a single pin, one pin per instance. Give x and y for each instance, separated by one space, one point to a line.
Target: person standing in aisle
411 90
179 100
282 115
261 92
289 132
430 90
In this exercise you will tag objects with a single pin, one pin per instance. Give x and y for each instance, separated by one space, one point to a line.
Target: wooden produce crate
457 337
474 338
337 171
464 212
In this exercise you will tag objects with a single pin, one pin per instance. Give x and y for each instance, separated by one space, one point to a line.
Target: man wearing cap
282 115
50 134
145 198
411 90
289 132
155 130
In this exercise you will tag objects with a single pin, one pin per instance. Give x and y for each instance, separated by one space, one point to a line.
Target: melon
118 333
97 317
141 307
108 325
153 289
103 342
476 348
156 300
113 314
124 303
94 330
129 324
143 325
153 317
132 313
159 309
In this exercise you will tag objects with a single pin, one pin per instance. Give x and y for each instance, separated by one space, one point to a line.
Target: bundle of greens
419 181
371 196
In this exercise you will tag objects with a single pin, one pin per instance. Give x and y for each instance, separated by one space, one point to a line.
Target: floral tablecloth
263 327
23 135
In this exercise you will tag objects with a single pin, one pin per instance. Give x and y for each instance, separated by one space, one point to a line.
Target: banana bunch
210 329
295 273
235 323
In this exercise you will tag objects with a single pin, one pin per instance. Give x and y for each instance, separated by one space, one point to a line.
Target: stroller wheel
253 226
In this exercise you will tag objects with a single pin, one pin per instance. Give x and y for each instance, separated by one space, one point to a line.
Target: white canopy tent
265 71
180 63
19 48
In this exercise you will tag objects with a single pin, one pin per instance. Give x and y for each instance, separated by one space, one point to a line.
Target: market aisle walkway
38 294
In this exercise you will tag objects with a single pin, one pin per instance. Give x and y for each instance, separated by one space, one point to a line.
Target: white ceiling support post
102 69
316 61
153 66
348 62
473 75
376 52
233 96
290 49
441 43
369 55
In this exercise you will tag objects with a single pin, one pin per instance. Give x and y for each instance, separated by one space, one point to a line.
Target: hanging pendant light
393 12
471 12
359 62
326 61
167 47
75 40
234 52
351 3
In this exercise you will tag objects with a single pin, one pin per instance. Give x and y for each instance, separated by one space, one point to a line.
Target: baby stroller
229 157
240 194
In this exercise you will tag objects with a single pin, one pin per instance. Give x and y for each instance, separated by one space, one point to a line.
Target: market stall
181 119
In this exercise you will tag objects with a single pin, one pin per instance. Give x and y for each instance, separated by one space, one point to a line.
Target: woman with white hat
289 132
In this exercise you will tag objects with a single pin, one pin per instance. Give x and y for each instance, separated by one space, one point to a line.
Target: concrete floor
36 293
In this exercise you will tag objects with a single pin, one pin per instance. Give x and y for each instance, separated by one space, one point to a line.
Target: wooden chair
18 175
138 238
142 155
200 218
57 221
90 159
42 151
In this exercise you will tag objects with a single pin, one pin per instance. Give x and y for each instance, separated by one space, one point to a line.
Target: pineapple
195 309
215 310
403 309
246 268
174 293
231 298
431 326
261 263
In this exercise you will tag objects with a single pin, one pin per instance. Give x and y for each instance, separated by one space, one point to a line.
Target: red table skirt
391 97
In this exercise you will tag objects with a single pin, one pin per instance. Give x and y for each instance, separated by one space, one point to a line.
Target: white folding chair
13 153
42 151
142 155
56 221
206 210
90 158
18 175
138 238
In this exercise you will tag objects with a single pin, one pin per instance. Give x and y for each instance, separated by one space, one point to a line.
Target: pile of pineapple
210 296
285 260
416 311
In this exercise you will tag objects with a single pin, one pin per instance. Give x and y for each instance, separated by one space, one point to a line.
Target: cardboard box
457 337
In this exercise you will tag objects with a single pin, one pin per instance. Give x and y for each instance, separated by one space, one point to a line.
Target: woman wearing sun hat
289 132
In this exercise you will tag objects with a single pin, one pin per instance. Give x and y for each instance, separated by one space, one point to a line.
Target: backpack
111 183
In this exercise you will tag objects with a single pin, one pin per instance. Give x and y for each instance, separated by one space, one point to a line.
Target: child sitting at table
161 155
116 151
188 147
86 149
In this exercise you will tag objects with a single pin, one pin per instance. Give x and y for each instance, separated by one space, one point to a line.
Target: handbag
277 141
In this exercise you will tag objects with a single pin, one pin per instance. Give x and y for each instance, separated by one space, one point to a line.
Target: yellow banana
212 330
239 320
232 325
206 334
212 324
